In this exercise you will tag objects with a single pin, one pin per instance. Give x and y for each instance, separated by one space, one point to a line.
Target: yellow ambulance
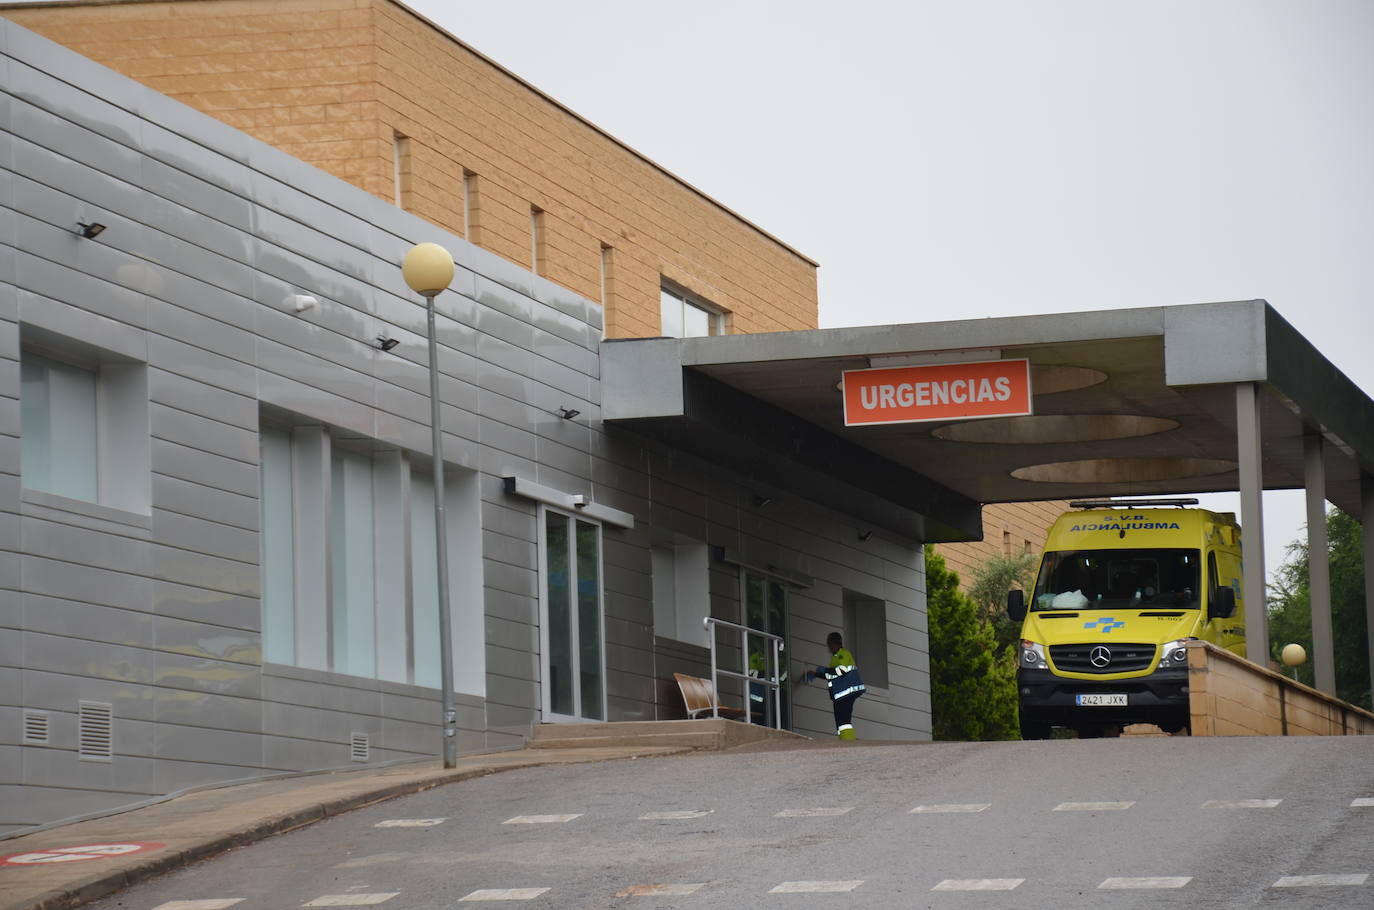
1122 588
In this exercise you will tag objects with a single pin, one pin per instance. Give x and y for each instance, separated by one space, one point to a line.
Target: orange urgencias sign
937 391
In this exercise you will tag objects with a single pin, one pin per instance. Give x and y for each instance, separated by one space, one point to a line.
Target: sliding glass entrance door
573 664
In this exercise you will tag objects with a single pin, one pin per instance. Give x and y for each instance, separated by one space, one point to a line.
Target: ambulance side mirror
1016 604
1223 603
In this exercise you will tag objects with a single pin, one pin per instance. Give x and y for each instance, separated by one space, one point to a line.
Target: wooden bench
700 698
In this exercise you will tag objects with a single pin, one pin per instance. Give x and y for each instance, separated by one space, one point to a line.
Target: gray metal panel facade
157 611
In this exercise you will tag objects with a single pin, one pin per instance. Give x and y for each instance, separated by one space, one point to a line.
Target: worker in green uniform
842 676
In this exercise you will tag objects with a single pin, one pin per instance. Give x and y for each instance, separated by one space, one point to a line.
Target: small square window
84 425
865 635
685 316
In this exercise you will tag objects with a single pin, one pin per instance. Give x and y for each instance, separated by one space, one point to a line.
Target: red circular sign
76 854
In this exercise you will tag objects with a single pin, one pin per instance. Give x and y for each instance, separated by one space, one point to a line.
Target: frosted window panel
353 613
696 322
424 581
670 314
58 428
278 550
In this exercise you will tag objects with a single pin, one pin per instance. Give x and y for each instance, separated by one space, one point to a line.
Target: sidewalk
206 822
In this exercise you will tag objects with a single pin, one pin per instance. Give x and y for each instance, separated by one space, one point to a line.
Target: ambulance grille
1123 657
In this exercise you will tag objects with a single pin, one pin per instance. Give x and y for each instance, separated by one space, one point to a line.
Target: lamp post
428 269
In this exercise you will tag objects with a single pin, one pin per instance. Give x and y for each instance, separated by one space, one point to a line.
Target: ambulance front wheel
1034 730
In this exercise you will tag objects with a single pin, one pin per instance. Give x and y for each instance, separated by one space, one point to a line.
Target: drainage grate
358 749
95 731
36 728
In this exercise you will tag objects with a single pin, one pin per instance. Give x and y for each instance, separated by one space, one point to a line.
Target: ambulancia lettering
1126 526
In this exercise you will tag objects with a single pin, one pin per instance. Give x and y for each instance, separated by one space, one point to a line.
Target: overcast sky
947 159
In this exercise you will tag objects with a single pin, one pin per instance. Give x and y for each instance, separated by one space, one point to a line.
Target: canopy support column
1318 564
1367 520
1252 521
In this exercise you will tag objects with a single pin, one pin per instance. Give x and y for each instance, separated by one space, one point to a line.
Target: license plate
1101 701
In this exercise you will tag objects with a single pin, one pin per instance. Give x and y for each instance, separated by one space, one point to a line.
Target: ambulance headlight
1033 655
1174 654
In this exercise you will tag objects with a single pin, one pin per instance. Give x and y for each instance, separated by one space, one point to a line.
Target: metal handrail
776 647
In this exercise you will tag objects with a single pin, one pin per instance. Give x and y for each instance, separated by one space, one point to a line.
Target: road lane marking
978 884
952 807
541 819
1319 881
812 813
504 894
351 900
1364 802
661 890
221 903
410 823
673 816
1147 882
1093 807
375 859
814 887
1241 803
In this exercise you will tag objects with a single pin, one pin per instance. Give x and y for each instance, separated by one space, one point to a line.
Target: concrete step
621 728
705 733
704 740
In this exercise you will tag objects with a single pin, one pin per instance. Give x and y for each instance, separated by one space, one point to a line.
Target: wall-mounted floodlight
302 302
568 413
579 500
761 501
865 535
90 231
386 343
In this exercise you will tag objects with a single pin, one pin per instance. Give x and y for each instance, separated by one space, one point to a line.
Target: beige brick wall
1229 696
334 81
1018 521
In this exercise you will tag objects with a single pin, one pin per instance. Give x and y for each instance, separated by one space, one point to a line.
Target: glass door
570 629
765 609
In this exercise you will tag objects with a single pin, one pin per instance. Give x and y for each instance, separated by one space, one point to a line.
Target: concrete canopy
1126 403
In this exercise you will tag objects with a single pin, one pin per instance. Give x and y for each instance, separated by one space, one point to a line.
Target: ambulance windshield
1116 579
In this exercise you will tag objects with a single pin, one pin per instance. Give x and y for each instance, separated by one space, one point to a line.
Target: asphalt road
1227 822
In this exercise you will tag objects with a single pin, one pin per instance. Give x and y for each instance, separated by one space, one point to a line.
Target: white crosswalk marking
541 819
1148 882
978 884
674 816
503 894
1241 803
351 900
814 887
812 813
1363 802
662 890
221 903
952 807
410 823
1320 881
1093 807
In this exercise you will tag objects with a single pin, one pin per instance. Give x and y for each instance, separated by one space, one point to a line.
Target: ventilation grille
36 726
95 731
358 749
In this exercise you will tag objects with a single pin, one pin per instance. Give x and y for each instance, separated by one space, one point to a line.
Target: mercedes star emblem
1100 657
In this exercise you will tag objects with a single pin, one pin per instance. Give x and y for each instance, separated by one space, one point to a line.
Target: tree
972 693
992 579
1290 607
